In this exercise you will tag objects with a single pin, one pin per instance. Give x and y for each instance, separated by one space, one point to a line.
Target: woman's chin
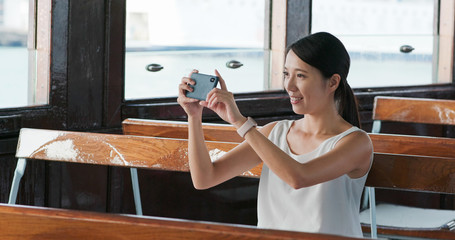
297 110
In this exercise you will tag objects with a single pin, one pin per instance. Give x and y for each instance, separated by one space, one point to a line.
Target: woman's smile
295 100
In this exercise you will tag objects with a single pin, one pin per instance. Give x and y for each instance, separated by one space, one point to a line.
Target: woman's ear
334 81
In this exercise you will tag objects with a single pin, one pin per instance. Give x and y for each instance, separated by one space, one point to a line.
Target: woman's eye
285 73
300 75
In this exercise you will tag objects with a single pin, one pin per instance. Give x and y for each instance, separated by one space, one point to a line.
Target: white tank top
331 207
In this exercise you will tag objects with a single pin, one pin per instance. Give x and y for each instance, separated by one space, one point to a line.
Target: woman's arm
204 172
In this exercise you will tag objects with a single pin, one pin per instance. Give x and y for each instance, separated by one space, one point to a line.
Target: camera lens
212 79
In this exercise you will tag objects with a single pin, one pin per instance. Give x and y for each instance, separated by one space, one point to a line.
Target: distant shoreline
13 39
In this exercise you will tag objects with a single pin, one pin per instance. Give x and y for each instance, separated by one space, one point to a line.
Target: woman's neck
329 123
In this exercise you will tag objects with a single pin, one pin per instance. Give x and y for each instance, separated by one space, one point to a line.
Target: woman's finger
217 96
221 80
213 94
185 87
188 80
194 71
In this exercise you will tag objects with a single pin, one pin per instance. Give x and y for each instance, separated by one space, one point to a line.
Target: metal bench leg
18 173
376 128
374 233
365 201
136 192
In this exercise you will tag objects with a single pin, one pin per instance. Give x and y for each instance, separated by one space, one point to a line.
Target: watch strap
250 123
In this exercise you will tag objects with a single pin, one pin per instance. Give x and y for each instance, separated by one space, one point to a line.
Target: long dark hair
326 53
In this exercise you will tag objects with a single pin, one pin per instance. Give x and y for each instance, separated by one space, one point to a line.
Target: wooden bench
410 153
179 130
418 164
170 154
409 110
106 149
21 222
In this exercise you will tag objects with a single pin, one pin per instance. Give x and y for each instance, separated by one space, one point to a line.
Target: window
24 45
1 12
180 35
391 42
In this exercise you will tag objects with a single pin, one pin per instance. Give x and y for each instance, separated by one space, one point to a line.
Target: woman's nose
289 83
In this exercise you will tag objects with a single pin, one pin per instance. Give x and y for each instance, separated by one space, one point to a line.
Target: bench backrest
112 149
435 177
415 163
414 110
20 222
414 173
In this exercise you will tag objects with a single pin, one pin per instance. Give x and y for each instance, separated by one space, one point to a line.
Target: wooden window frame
445 46
48 92
39 48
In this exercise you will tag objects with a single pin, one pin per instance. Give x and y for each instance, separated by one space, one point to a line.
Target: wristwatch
250 123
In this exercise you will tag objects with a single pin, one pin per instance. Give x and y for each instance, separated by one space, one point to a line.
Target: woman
315 167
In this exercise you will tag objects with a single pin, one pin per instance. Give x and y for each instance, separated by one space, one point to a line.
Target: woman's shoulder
267 129
356 138
357 134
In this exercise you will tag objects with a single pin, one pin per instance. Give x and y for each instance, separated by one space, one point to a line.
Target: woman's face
309 91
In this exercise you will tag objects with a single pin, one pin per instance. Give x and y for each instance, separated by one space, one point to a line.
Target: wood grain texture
414 110
410 233
414 173
176 129
113 150
179 130
413 145
19 222
383 143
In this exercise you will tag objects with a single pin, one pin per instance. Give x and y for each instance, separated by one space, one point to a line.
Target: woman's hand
222 102
190 105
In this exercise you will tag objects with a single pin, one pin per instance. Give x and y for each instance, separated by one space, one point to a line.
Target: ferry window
24 28
165 40
391 42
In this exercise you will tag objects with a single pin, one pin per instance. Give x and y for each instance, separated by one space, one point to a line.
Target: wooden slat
175 129
414 110
383 143
413 145
19 222
414 173
411 233
113 150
